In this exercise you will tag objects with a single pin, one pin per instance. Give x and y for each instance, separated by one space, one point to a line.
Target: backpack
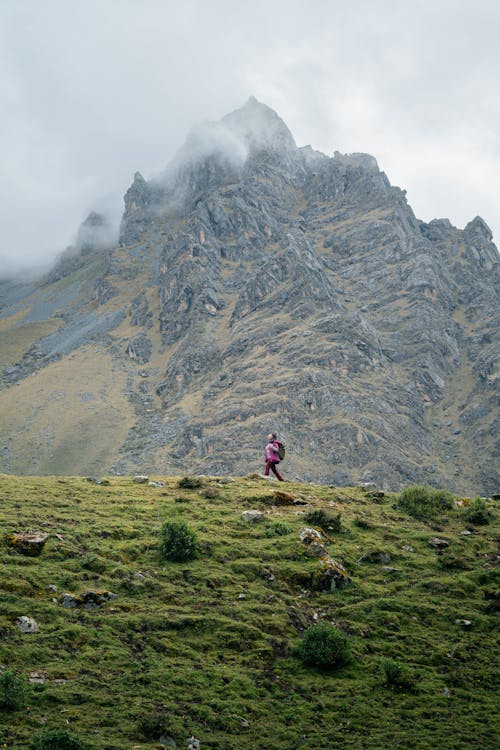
281 450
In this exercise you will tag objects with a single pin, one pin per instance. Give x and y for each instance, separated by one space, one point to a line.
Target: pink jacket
271 452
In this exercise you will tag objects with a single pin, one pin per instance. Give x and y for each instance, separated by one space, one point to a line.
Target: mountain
259 286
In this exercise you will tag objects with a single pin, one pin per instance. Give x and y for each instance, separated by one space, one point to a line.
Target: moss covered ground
206 647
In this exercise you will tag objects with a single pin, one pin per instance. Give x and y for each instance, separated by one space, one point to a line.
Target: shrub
13 688
58 739
278 529
327 521
210 493
477 513
396 675
189 483
177 541
152 726
424 502
362 523
324 645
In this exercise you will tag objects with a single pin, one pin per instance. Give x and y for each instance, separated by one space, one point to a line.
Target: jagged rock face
294 292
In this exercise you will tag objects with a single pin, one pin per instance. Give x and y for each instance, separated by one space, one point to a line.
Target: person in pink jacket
272 456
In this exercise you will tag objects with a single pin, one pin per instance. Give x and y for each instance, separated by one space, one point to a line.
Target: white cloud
90 92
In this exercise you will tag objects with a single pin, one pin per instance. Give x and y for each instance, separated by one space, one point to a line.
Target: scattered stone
156 484
463 623
438 544
30 544
334 574
376 495
141 479
88 600
313 542
38 678
267 575
168 742
52 588
70 601
27 624
241 596
252 516
407 548
376 556
388 569
466 532
194 744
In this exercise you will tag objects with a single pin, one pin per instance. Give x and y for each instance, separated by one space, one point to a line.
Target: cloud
91 92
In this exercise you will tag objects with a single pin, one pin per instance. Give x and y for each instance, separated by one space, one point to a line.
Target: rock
38 678
463 623
156 484
333 575
30 544
141 479
376 556
193 744
70 601
88 600
27 624
168 742
438 544
253 516
313 542
139 348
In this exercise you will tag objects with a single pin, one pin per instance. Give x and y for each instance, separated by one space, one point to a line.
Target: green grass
208 646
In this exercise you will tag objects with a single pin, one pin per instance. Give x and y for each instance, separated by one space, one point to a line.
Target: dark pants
272 465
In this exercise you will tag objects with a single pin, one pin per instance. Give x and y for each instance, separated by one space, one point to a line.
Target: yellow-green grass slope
205 648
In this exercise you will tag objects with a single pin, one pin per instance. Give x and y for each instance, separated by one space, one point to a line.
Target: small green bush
152 726
278 529
13 688
177 541
190 483
477 513
326 521
324 645
58 739
396 675
424 502
210 493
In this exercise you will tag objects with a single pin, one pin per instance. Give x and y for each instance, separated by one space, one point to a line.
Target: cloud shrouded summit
412 86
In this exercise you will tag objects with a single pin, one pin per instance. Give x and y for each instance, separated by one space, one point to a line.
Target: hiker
272 456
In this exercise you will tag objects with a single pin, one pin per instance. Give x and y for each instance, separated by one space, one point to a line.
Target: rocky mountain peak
259 127
262 286
95 233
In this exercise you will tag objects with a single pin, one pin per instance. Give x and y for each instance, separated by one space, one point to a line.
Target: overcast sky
93 90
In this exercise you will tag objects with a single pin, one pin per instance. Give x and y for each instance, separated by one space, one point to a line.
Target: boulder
27 624
253 516
141 479
88 600
313 542
438 544
30 544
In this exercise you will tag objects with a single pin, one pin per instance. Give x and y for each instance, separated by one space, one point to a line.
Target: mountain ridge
264 286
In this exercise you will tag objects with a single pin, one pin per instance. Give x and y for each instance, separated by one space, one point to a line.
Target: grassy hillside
207 647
